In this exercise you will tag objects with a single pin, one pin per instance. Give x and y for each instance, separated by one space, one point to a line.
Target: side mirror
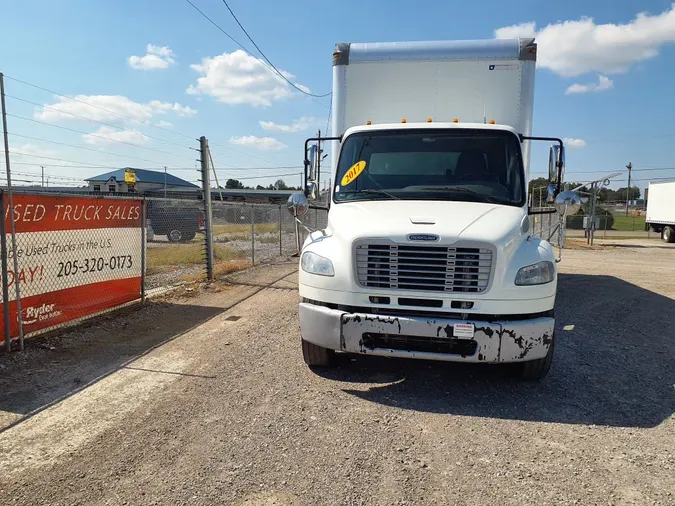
567 203
556 164
311 190
297 205
550 193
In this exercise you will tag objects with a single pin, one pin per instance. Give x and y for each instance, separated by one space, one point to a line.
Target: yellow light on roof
369 122
492 122
404 120
428 120
455 120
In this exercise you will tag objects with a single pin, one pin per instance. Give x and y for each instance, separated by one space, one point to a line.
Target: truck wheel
538 369
175 235
668 234
188 236
317 356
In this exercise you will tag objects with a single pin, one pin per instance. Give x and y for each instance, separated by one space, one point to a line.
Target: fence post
208 212
252 235
281 249
143 248
5 275
11 210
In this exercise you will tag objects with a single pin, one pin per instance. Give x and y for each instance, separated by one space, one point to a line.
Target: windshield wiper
372 191
461 189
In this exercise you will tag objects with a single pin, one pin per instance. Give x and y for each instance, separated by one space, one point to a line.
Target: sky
151 77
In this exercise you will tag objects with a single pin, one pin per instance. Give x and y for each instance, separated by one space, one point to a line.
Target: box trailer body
427 251
661 209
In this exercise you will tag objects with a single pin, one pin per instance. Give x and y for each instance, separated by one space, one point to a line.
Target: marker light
492 122
369 122
404 120
428 120
455 120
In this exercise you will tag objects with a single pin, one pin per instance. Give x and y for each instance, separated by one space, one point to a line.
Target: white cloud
574 143
164 124
156 57
107 108
573 48
238 78
298 125
604 83
164 107
264 143
107 135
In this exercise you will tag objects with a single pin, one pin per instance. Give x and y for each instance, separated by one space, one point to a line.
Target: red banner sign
77 256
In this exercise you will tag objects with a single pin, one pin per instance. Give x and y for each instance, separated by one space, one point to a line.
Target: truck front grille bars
426 268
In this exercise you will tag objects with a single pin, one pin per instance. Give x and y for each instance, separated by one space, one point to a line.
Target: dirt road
225 412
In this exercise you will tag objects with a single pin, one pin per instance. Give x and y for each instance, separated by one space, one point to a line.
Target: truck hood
451 221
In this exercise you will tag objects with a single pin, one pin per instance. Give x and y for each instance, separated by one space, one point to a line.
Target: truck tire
174 235
668 234
538 369
317 356
188 236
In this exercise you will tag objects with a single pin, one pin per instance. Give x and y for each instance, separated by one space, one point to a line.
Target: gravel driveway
222 410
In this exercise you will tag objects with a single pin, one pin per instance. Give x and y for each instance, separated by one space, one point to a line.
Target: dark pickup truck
179 222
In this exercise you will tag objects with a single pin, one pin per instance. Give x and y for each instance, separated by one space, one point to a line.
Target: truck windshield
457 164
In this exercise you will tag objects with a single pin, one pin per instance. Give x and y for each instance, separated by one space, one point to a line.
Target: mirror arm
558 162
545 211
312 139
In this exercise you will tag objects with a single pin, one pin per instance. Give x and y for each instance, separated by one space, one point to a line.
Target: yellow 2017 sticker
353 172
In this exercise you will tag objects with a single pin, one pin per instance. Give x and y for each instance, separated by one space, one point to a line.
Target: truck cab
427 252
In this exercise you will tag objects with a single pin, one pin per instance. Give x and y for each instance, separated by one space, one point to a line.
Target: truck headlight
316 264
536 274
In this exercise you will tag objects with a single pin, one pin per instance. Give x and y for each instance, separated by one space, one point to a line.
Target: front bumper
426 338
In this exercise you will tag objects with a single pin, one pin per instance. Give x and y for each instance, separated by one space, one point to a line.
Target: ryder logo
33 314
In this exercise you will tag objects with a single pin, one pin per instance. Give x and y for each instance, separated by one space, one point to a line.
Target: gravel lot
197 406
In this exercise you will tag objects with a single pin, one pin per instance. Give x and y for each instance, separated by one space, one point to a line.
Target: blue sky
604 79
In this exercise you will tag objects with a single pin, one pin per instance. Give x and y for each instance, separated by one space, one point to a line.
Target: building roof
143 176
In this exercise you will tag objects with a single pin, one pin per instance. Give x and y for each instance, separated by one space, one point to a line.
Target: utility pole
206 185
12 215
43 175
629 167
165 181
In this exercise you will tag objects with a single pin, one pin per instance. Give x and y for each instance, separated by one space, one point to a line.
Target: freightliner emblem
423 237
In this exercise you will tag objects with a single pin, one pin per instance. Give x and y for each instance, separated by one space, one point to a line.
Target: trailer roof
489 49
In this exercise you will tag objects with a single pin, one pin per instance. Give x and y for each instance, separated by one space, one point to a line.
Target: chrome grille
433 268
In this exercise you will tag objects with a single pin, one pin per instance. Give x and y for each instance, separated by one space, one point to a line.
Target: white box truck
427 252
661 209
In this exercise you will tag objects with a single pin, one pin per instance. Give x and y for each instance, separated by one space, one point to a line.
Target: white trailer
661 209
427 252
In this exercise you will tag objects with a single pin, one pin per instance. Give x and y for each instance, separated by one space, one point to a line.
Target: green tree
234 184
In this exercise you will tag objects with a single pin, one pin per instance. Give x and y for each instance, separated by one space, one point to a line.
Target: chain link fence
175 241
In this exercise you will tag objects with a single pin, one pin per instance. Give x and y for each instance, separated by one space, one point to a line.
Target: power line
61 111
60 160
269 176
268 60
98 107
86 149
98 136
249 53
599 171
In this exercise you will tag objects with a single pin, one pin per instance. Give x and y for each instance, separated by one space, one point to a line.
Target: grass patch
166 258
245 228
267 239
628 223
